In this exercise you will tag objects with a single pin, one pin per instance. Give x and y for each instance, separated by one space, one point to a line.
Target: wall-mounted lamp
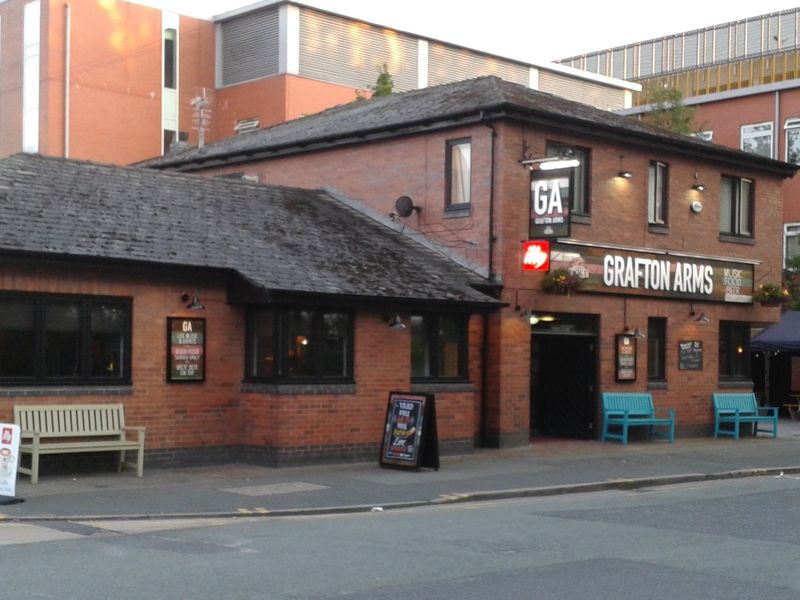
623 172
533 318
195 303
701 318
637 333
566 160
697 184
395 322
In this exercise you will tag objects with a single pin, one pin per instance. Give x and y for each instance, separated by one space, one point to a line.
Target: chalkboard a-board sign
625 365
690 355
410 438
186 349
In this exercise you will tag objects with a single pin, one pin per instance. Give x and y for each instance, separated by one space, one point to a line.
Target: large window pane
438 347
300 344
656 344
449 346
108 327
757 139
459 169
579 189
262 344
17 340
62 339
335 334
420 348
734 350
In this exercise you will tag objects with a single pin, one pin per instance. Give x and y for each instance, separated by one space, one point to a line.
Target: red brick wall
217 414
725 118
378 172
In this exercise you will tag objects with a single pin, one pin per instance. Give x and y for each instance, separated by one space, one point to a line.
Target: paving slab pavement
544 467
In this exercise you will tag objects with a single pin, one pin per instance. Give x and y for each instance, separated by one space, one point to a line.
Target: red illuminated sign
536 255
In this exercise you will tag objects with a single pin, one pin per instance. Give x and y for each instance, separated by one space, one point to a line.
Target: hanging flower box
561 281
771 294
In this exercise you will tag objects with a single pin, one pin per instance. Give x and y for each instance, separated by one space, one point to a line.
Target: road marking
262 511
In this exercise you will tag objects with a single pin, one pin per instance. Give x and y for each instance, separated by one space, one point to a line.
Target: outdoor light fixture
697 185
623 172
636 333
195 303
565 160
396 322
701 318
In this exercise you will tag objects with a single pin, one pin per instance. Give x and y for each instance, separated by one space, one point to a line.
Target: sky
528 30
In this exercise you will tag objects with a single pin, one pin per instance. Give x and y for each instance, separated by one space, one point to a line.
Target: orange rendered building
119 82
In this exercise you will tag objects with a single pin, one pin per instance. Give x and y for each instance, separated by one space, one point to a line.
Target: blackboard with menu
410 438
690 355
625 366
186 349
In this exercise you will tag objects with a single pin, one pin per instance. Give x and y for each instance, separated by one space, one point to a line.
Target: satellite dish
404 206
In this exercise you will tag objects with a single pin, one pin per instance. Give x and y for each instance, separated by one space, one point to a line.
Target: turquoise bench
742 408
626 410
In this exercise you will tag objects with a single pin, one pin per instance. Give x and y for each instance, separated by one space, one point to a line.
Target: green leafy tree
791 281
668 110
382 87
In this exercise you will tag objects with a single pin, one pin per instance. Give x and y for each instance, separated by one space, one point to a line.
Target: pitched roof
448 105
278 239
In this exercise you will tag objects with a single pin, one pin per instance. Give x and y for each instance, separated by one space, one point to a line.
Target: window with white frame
459 173
792 129
757 138
791 242
657 193
736 206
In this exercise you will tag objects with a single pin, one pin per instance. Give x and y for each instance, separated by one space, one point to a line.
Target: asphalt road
735 539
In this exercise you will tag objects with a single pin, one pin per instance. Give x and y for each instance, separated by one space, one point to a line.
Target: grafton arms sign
644 273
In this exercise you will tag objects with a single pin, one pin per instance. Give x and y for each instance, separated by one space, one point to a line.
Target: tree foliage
667 109
382 87
791 281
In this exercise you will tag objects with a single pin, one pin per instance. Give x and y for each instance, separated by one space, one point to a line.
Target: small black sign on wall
410 438
625 357
690 355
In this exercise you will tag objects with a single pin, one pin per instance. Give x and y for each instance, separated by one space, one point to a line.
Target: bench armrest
769 410
139 431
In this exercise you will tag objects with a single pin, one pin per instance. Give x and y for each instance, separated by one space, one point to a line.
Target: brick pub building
431 195
667 236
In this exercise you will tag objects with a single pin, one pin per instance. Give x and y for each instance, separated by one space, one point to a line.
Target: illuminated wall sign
550 202
651 274
536 255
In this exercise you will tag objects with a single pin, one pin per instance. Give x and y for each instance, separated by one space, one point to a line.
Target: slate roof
446 106
278 239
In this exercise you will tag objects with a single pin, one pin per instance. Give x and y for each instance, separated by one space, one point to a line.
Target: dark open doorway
564 377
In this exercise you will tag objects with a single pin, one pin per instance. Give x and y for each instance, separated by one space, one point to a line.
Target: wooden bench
627 410
742 408
66 429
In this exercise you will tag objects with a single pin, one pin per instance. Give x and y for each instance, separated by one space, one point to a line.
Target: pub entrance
564 376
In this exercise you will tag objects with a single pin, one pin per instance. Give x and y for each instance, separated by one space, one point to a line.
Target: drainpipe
491 276
776 138
67 57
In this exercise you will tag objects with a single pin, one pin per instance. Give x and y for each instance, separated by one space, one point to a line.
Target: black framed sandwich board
410 438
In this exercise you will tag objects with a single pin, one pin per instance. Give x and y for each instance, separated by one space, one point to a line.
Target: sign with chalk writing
410 437
690 355
625 357
186 349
